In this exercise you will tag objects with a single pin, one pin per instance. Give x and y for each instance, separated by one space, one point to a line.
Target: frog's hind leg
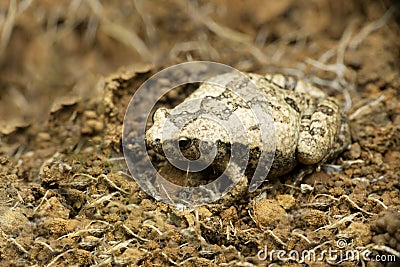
342 141
318 131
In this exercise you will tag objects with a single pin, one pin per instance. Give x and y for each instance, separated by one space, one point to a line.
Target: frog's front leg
318 131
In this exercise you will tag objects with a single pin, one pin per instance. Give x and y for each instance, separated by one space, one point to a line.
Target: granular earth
68 72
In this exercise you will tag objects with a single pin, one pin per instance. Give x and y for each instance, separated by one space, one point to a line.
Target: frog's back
284 106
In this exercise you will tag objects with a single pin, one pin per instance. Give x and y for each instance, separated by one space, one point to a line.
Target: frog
310 127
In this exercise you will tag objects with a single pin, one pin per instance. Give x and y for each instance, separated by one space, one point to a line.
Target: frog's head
197 135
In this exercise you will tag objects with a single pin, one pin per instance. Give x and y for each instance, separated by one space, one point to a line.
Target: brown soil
66 197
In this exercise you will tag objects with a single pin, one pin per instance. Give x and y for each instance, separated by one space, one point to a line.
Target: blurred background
55 52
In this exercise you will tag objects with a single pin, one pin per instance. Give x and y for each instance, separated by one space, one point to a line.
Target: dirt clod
269 213
387 229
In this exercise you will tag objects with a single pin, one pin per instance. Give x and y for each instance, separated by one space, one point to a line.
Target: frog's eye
184 142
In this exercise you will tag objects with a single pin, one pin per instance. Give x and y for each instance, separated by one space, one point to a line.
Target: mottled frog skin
310 127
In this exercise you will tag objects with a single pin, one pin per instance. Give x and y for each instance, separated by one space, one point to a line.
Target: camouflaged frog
310 127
